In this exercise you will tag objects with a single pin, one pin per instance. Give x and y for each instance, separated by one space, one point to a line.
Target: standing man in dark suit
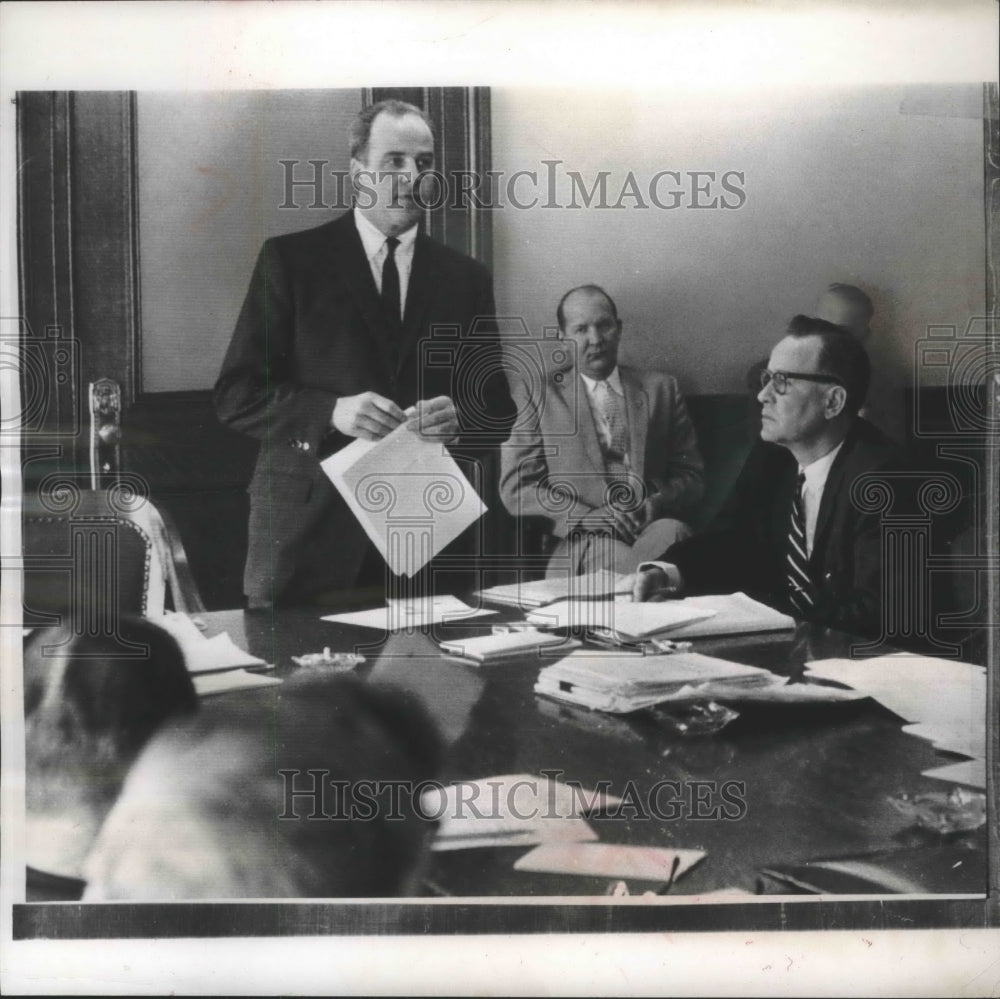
792 532
334 343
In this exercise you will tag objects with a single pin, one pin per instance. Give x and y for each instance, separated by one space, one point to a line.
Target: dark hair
361 127
241 784
594 289
841 355
92 702
855 296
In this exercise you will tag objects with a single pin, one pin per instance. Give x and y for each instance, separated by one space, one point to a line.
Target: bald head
588 318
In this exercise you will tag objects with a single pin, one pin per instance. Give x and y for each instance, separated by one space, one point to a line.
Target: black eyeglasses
782 378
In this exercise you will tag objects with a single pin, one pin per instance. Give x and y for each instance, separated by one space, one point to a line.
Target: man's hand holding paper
368 415
435 419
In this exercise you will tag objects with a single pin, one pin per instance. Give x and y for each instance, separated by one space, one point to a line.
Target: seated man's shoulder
650 380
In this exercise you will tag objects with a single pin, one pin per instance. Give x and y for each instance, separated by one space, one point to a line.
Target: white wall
840 186
210 187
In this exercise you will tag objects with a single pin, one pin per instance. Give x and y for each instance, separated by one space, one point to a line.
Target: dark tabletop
814 782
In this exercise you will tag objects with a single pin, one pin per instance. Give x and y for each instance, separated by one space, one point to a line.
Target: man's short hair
841 355
361 127
849 293
594 289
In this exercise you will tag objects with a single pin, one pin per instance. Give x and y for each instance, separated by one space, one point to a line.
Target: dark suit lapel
424 277
831 496
350 266
637 407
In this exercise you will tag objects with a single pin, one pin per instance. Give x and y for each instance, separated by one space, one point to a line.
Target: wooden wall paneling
53 398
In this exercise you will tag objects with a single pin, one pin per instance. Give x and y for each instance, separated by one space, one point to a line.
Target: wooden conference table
816 780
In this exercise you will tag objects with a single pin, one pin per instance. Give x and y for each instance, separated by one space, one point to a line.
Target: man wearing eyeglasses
789 534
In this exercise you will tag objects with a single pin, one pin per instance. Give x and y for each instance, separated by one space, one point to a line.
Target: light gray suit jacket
553 466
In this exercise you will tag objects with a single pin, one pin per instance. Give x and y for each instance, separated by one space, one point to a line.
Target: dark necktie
390 289
800 587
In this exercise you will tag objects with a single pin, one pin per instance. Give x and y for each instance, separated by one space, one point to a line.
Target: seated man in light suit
794 532
608 457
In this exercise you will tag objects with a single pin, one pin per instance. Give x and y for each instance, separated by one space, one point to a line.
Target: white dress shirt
376 251
614 383
816 474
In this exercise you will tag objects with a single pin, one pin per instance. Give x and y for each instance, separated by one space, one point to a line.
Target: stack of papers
625 622
511 810
692 617
944 701
510 645
403 615
539 592
623 682
209 684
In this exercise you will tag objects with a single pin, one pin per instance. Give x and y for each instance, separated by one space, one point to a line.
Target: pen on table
666 645
665 890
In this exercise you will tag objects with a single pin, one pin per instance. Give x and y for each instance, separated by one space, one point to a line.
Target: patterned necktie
616 447
390 289
800 587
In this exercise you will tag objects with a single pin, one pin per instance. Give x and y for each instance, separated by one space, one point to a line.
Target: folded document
487 649
625 621
692 617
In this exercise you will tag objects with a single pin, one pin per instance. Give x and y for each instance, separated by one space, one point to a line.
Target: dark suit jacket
745 545
311 331
556 442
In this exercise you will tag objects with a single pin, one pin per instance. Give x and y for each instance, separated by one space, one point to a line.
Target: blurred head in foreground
275 798
90 705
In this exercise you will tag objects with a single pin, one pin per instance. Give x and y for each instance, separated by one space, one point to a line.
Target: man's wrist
674 580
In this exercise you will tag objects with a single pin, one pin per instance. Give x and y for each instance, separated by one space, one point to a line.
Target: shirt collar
372 239
817 471
614 381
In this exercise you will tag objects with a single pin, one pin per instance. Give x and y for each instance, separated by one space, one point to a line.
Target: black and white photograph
500 498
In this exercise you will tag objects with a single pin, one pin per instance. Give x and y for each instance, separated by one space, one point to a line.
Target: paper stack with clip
621 682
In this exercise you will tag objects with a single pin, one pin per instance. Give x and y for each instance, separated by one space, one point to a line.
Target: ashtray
694 719
336 661
957 810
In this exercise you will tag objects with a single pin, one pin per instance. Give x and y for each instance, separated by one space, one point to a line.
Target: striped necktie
616 447
800 587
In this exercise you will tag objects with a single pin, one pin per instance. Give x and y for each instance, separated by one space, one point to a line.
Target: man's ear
836 401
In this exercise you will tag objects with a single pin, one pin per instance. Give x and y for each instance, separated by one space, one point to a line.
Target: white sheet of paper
734 614
417 613
511 810
970 743
609 860
408 494
205 655
970 772
917 688
209 684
